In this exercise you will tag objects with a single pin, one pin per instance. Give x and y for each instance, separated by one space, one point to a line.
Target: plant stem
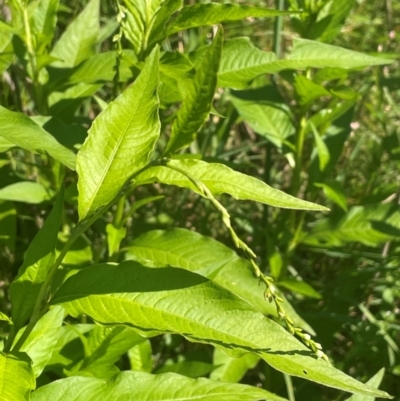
280 5
41 304
37 88
289 387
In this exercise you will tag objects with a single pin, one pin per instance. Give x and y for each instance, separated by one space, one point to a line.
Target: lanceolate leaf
196 105
78 40
138 21
146 387
16 377
38 259
120 141
204 255
242 62
266 112
214 13
174 300
107 344
43 338
309 53
163 15
44 22
25 191
232 369
375 382
221 179
20 130
369 225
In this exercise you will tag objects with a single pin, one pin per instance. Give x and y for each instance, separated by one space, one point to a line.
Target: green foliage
177 120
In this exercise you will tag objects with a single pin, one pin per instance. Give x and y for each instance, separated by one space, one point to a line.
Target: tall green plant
185 291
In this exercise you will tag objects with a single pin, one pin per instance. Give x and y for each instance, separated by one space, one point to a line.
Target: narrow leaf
65 104
196 106
38 259
163 15
25 191
375 382
139 17
334 192
43 338
370 225
266 113
20 130
241 62
322 149
221 179
16 377
213 13
140 357
309 53
78 40
120 141
114 237
232 369
299 286
174 300
203 255
44 22
146 387
107 344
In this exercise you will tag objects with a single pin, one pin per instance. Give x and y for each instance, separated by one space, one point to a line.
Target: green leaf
20 130
65 104
374 381
16 375
266 113
322 149
138 20
78 40
69 347
70 136
203 255
5 145
107 344
44 22
25 191
101 68
6 48
369 225
221 179
146 387
241 62
5 318
197 103
114 237
338 12
37 262
8 225
212 13
167 299
140 357
299 286
187 368
307 91
334 192
42 340
232 369
309 53
160 20
120 141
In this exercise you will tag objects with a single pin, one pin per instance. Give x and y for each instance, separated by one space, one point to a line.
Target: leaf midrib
111 159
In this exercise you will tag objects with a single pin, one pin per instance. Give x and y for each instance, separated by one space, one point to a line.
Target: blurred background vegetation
341 270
